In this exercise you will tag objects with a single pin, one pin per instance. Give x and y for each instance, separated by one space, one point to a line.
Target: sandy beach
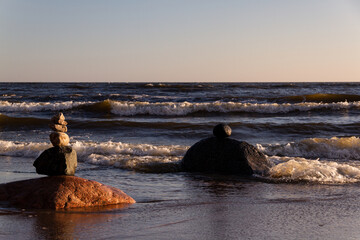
192 206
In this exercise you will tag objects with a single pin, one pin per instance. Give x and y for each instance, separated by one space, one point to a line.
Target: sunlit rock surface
61 192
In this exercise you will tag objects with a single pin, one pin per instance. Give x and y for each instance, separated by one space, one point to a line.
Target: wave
166 158
8 122
186 108
301 169
15 123
138 157
6 106
132 108
320 97
329 148
179 86
321 160
22 149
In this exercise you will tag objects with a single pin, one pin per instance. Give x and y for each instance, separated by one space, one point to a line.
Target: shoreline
193 206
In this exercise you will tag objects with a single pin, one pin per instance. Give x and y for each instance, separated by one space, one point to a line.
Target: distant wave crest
129 108
321 97
186 108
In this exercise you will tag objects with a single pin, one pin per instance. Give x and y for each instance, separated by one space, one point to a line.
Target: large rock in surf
221 154
61 192
57 161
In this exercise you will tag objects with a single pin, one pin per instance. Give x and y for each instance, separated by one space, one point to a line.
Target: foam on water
301 169
185 108
141 157
131 108
6 106
166 158
330 148
22 149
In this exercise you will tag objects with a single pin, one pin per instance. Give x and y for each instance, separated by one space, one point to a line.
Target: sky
179 40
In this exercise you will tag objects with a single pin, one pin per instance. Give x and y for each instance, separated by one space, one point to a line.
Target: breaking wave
139 157
166 158
329 148
6 106
129 108
322 160
301 169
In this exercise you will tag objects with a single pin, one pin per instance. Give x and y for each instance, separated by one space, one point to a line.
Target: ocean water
133 136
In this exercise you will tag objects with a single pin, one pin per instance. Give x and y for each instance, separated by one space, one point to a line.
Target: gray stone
222 130
225 155
57 161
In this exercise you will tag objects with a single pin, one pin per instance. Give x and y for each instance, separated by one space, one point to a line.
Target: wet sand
190 206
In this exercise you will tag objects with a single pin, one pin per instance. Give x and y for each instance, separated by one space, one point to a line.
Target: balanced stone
60 159
58 128
222 131
57 161
58 118
59 139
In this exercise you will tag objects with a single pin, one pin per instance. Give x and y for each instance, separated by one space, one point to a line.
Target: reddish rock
61 192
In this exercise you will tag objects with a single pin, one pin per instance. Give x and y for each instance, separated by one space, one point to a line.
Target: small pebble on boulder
222 131
59 119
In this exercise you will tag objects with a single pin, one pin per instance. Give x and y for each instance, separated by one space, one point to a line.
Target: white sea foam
130 108
108 148
183 108
22 149
142 157
166 158
330 148
301 169
6 106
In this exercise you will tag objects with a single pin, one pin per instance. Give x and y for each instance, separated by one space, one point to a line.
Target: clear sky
179 40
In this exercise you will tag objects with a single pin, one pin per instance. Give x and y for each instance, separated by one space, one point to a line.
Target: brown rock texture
61 192
59 119
59 139
58 128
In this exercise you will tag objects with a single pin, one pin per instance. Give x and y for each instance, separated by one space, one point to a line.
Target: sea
133 136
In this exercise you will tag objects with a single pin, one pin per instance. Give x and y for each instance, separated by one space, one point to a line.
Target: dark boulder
61 192
225 155
59 160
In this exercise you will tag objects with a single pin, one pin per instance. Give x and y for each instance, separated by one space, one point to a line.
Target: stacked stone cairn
60 159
